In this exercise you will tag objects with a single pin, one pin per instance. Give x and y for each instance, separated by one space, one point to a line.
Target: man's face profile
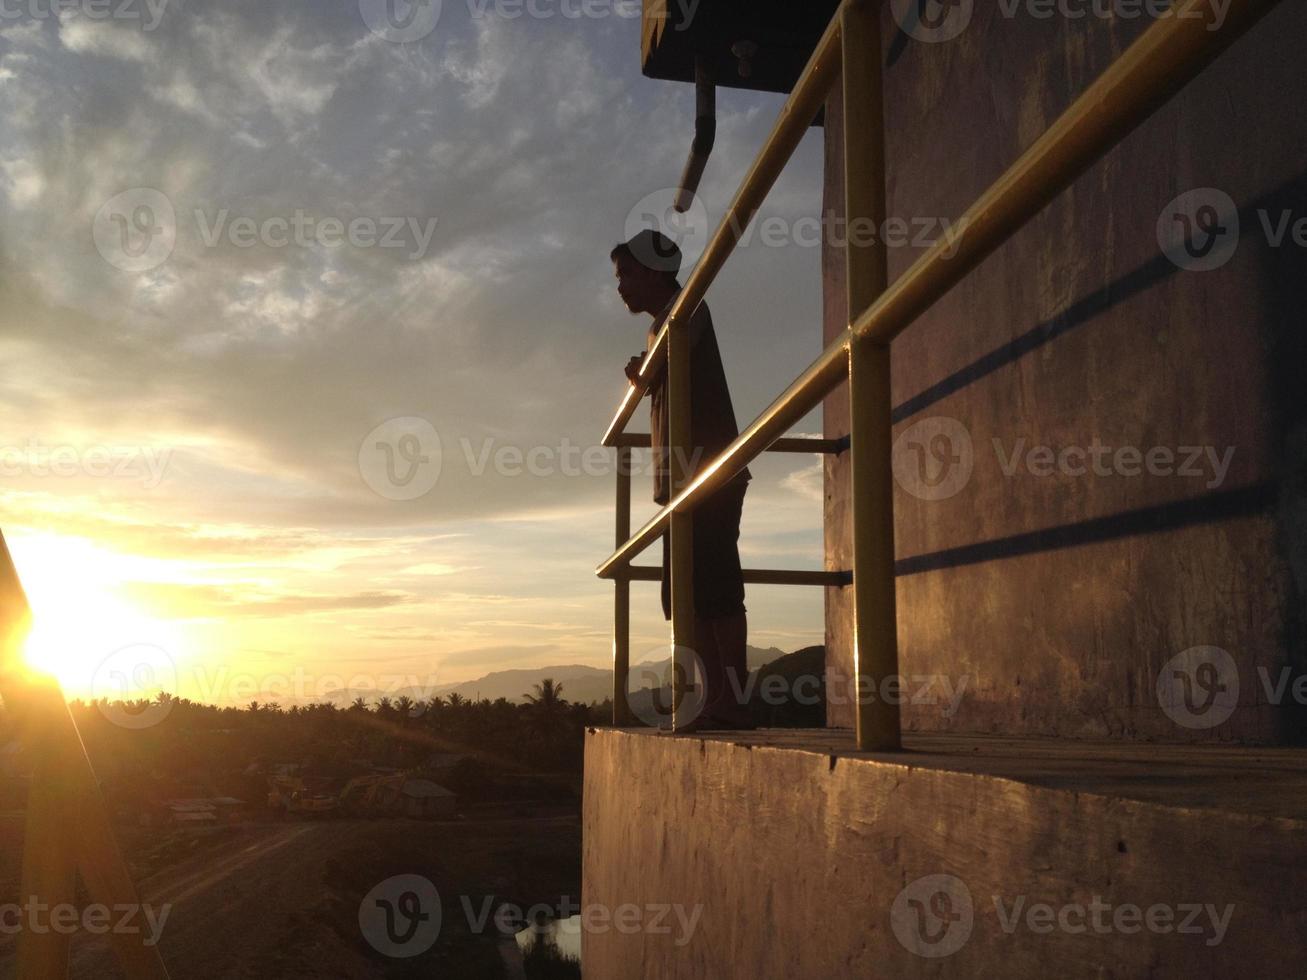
635 282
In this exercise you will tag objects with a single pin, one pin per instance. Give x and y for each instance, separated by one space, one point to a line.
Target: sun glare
80 621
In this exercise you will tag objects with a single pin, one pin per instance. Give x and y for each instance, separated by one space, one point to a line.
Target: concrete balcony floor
1265 781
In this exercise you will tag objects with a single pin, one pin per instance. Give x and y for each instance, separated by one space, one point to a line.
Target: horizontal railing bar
795 402
797 444
1163 60
1168 55
796 116
752 576
652 364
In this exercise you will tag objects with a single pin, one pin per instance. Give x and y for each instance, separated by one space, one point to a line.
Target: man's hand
633 369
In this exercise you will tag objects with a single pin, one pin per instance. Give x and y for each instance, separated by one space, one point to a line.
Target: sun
93 641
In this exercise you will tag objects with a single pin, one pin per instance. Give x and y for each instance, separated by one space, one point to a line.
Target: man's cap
654 250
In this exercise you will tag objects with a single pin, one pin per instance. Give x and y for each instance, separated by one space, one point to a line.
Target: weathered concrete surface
797 851
1058 598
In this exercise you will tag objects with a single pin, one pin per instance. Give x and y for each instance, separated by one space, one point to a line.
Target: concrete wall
798 865
1059 599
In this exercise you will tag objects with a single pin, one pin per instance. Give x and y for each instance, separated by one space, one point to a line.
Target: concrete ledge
959 857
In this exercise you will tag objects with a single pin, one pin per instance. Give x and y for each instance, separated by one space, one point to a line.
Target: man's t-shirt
712 417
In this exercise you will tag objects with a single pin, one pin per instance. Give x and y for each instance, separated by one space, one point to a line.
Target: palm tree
547 715
548 696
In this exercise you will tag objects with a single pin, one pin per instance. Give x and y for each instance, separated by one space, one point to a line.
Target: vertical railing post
49 874
682 555
622 601
875 624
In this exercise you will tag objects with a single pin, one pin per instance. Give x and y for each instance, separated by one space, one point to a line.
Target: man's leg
723 652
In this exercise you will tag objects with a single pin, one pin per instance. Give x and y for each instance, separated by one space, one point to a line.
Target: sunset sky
189 441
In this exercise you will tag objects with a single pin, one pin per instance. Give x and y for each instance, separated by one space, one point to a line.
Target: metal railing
1165 57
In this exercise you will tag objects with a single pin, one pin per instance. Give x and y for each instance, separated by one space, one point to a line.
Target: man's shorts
718 581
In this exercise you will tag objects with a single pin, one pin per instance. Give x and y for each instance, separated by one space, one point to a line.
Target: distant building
423 798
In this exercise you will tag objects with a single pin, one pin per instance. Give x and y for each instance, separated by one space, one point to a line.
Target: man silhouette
646 268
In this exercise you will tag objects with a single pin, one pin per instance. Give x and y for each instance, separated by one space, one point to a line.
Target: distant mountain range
580 683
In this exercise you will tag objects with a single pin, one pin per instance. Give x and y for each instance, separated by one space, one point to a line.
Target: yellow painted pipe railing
1165 58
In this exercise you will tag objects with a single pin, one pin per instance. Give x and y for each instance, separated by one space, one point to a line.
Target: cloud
82 35
258 370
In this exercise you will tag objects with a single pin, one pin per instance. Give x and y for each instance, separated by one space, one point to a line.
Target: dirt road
282 900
